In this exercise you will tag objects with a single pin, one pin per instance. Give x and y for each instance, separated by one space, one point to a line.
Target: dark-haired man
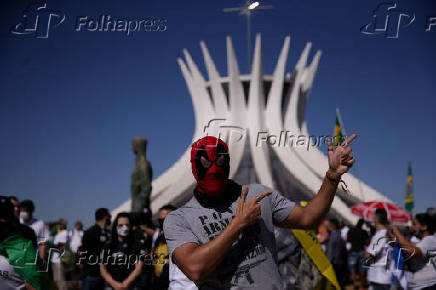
94 239
378 253
358 239
166 274
23 230
26 218
223 237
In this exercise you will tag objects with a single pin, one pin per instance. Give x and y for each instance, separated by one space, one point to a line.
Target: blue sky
70 104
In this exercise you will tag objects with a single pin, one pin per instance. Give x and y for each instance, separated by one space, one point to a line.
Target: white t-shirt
38 227
344 233
379 271
154 237
75 240
414 239
60 238
9 279
178 280
425 276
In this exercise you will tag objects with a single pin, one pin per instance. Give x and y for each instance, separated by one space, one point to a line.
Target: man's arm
198 261
310 217
406 245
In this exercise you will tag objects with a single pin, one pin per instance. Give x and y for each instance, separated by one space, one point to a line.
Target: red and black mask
210 162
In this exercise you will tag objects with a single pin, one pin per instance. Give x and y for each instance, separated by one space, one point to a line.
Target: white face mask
123 231
24 215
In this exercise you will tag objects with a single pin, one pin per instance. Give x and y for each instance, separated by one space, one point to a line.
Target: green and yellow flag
409 190
339 133
309 241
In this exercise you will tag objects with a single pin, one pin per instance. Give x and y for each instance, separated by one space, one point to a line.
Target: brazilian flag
409 190
339 133
22 255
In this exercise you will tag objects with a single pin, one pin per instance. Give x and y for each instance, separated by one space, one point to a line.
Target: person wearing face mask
223 237
122 263
94 239
18 269
26 218
422 264
23 230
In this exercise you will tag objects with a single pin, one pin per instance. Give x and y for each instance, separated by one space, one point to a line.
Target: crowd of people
131 252
382 256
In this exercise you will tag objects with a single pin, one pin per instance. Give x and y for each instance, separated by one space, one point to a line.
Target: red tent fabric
396 214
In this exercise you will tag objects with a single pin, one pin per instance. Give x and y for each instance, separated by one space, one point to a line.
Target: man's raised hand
340 159
248 212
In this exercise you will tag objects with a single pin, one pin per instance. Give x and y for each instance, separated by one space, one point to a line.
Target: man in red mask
210 165
224 236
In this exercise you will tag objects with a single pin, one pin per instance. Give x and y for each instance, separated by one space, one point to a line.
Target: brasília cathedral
262 119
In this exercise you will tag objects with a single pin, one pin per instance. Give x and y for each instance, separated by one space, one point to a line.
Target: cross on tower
246 10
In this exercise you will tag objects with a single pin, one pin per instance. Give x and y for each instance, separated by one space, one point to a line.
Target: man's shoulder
256 188
176 214
95 229
63 233
36 223
38 226
427 241
379 237
178 217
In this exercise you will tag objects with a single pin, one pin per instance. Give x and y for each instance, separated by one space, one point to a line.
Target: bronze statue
141 177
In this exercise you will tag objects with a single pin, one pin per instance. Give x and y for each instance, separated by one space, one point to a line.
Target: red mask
210 165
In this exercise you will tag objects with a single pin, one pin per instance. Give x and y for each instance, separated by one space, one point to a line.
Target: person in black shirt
143 233
122 262
336 251
161 253
94 239
358 238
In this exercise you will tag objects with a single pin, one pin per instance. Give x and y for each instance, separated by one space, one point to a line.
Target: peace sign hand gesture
340 159
248 212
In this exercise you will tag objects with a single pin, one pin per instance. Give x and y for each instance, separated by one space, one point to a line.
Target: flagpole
340 121
356 171
410 200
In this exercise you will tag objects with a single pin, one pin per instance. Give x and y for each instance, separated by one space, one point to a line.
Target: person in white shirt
26 217
61 241
344 233
76 236
424 253
378 254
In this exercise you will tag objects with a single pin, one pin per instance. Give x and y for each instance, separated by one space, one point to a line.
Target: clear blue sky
70 104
